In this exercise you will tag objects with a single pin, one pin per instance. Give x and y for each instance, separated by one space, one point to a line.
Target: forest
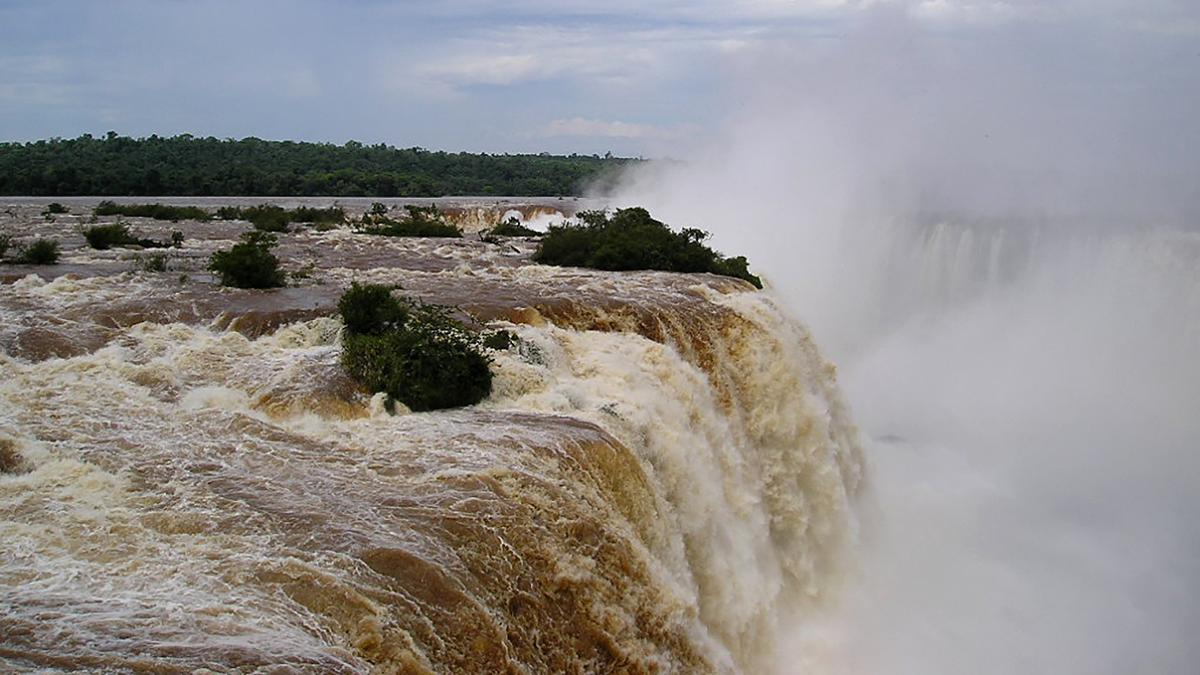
187 165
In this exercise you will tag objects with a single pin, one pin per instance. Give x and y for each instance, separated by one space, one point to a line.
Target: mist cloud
994 231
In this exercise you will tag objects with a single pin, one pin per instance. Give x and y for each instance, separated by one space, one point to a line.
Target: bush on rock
417 354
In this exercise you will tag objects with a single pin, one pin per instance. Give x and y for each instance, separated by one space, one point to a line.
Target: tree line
186 165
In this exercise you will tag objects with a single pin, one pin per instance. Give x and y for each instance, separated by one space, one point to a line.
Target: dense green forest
190 166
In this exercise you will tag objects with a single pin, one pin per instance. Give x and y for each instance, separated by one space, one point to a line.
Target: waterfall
664 470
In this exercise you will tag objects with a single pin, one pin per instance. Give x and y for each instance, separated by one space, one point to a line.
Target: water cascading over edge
651 484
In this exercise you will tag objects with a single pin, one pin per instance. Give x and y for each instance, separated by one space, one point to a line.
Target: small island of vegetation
630 239
272 218
104 237
41 251
155 211
249 263
416 353
420 221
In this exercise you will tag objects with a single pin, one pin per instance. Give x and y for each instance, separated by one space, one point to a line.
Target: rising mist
994 231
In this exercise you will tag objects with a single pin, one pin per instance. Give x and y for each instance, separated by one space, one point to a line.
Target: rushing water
1028 389
664 471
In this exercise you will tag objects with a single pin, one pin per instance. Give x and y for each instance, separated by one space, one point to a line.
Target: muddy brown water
191 484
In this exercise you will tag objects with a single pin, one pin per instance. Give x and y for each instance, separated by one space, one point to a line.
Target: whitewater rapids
664 469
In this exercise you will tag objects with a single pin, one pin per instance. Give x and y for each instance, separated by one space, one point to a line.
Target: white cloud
528 53
34 80
579 126
767 12
621 42
485 69
40 65
692 11
980 11
503 68
606 56
36 93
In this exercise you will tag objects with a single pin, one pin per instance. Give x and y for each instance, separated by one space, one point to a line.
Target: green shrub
39 252
272 218
5 243
371 309
422 221
631 240
513 228
54 208
104 237
267 217
155 211
249 264
306 214
417 354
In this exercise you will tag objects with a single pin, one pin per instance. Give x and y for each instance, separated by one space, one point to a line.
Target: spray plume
993 229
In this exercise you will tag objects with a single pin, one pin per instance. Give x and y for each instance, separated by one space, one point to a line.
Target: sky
587 76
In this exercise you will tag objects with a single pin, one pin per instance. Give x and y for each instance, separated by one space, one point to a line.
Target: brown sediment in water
57 320
11 460
484 561
665 462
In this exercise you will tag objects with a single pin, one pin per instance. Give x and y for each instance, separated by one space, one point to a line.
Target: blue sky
568 76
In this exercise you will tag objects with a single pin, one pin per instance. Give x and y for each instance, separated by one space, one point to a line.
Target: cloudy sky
634 77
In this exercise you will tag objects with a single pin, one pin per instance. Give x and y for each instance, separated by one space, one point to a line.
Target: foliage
418 368
416 353
188 166
267 217
316 216
55 207
513 228
250 263
421 221
39 252
155 262
371 309
272 218
631 240
5 243
155 211
104 237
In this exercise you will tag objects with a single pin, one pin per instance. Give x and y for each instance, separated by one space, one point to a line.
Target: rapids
664 470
